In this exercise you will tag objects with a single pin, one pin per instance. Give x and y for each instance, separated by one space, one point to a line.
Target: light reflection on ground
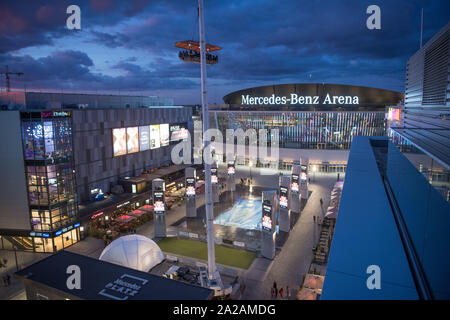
245 214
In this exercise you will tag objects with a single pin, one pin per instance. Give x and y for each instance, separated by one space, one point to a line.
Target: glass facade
305 130
49 168
436 174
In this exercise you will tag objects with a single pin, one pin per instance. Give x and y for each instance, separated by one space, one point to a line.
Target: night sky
127 47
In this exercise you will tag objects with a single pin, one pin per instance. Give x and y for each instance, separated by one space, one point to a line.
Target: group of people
190 53
275 291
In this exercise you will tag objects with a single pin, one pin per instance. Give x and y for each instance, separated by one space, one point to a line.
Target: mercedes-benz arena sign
314 94
296 99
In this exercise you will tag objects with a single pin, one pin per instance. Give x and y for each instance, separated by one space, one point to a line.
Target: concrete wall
14 213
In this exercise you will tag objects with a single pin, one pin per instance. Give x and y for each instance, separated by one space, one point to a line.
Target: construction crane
7 73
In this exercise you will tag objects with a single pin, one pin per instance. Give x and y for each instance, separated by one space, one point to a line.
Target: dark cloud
70 70
263 41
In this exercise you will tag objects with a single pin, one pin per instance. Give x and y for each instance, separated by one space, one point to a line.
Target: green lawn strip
198 250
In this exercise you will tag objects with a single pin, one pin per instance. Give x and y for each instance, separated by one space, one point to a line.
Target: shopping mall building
314 120
54 159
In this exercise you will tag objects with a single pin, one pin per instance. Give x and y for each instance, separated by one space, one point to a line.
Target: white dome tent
133 251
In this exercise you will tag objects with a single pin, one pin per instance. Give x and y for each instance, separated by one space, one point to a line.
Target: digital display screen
155 141
231 170
214 175
48 136
164 134
132 139
294 183
178 132
283 197
158 202
144 138
190 187
119 142
303 175
267 217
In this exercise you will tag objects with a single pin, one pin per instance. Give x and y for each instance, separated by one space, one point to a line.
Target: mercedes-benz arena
314 120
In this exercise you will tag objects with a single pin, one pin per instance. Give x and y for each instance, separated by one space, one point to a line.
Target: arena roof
314 95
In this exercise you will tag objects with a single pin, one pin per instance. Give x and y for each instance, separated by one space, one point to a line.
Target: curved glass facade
305 129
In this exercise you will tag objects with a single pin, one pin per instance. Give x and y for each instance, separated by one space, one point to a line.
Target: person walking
314 217
281 293
321 202
275 289
288 292
8 279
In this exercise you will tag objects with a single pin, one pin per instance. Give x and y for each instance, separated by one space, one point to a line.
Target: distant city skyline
128 47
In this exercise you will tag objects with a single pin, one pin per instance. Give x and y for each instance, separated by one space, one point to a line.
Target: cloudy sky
127 47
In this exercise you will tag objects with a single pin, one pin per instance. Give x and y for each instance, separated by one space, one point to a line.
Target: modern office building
391 240
54 159
57 100
423 132
317 121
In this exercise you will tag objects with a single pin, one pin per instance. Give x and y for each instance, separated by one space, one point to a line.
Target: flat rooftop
366 234
102 280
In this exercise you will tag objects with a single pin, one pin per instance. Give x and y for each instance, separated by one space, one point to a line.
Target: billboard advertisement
178 132
283 197
164 134
132 139
190 187
267 217
144 138
231 169
294 183
119 142
158 202
155 141
394 114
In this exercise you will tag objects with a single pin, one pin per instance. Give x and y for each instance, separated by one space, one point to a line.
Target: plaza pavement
294 259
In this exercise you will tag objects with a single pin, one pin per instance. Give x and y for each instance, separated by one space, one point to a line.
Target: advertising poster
48 136
132 139
190 187
119 142
155 141
294 183
267 217
214 178
144 138
283 197
164 134
158 202
231 170
178 132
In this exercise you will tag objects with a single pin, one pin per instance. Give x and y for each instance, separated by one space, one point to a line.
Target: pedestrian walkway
24 259
294 259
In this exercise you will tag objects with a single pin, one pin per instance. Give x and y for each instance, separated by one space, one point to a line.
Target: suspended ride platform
191 52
